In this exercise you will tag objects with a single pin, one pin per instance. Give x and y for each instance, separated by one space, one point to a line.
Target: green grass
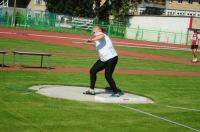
162 52
87 61
31 112
16 44
22 110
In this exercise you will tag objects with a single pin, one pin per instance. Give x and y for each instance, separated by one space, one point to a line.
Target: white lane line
178 49
7 33
128 43
151 47
83 43
156 46
175 107
161 118
49 36
131 44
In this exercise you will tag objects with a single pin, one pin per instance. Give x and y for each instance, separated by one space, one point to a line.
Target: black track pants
109 67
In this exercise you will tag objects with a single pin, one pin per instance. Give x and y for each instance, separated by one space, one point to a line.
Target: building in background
6 7
151 8
170 8
3 3
183 8
36 8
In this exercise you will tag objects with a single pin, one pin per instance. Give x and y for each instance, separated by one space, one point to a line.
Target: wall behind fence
158 29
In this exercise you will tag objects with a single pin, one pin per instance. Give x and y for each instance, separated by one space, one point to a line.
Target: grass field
22 110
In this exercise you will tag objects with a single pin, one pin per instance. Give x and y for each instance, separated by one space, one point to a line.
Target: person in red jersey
194 46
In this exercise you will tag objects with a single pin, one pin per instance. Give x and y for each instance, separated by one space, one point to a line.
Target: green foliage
82 8
19 3
120 8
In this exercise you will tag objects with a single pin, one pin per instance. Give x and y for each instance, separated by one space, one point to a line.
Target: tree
82 8
19 3
118 8
121 8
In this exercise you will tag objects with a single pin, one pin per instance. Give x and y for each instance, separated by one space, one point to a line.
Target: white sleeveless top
105 48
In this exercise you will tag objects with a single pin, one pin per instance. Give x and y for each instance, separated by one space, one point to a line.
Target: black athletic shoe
109 89
115 95
119 90
89 92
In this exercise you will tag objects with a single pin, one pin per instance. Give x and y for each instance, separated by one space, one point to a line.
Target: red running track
75 37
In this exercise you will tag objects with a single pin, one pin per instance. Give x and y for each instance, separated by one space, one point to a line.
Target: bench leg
41 61
20 61
49 65
2 61
14 60
2 65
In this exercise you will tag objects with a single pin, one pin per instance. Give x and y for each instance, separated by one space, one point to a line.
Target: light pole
110 13
97 7
14 13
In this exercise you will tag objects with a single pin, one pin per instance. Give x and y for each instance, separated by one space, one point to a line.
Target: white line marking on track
126 44
135 44
175 107
83 43
48 36
158 117
151 47
178 49
7 33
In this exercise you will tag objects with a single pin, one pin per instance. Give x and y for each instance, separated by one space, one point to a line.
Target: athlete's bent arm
96 38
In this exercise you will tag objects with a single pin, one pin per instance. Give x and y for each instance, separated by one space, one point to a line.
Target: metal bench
3 57
32 53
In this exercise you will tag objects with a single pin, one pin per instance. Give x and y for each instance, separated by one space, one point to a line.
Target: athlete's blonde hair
101 28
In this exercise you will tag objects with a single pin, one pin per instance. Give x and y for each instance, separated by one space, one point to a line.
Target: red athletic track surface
69 39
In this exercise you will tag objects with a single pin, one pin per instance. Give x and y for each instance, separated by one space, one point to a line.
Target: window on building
37 15
190 1
38 2
180 1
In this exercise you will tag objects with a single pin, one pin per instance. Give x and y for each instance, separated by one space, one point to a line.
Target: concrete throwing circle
76 93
